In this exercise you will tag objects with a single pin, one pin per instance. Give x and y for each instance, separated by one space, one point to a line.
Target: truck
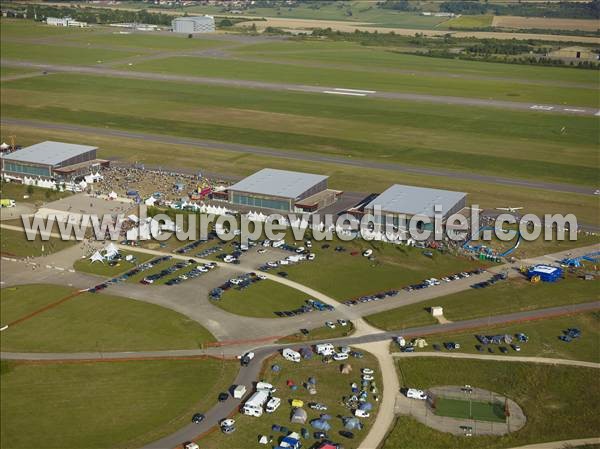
291 355
239 391
254 405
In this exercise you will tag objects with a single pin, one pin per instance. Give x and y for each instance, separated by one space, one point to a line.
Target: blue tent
320 424
275 368
312 381
547 273
352 424
325 417
366 406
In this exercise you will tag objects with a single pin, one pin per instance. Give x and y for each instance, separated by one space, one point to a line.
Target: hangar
282 190
414 201
193 24
49 161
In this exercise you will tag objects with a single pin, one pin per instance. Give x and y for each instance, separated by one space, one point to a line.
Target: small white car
272 264
261 251
300 249
235 281
367 377
308 244
330 324
284 262
339 356
367 371
345 350
311 256
361 413
266 243
367 252
343 322
261 276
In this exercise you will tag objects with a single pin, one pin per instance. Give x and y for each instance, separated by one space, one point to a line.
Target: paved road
303 156
327 90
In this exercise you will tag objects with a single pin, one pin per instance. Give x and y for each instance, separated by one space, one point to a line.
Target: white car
266 243
343 322
311 256
367 371
272 264
367 377
345 350
284 262
228 258
361 413
330 324
261 276
235 281
308 244
339 356
300 249
261 251
367 252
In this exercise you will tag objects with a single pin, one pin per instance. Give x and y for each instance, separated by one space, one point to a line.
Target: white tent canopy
96 257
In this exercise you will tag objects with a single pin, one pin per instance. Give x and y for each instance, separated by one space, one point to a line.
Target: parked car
361 413
503 349
318 406
223 396
330 324
339 356
346 434
198 418
367 371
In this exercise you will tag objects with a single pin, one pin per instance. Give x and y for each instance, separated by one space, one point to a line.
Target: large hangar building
415 201
49 161
282 190
193 24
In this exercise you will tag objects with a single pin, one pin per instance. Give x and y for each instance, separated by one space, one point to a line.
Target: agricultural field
547 394
331 387
261 299
545 23
543 338
514 295
91 322
145 400
467 22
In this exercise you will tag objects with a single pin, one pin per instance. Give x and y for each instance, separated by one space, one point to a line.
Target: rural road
301 155
327 90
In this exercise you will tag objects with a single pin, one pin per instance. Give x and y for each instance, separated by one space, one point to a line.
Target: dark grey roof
282 183
49 152
411 200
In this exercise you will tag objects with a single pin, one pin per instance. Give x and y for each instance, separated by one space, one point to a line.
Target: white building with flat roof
194 24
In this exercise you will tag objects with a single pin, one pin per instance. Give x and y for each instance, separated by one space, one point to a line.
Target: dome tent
299 416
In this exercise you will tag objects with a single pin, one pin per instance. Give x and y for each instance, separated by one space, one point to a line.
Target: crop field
547 394
543 338
546 23
331 386
139 401
92 322
467 22
489 301
261 299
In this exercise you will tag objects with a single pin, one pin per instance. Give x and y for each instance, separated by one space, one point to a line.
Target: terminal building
194 24
48 163
282 190
414 201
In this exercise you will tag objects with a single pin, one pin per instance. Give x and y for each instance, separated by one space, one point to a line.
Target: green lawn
34 194
28 29
15 243
105 269
467 22
547 394
331 387
149 41
509 296
543 338
343 276
12 71
59 55
481 411
320 333
101 405
396 82
92 322
530 145
261 299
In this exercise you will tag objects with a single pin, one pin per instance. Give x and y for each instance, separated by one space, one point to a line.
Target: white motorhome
254 405
278 243
273 404
291 355
413 393
265 386
325 349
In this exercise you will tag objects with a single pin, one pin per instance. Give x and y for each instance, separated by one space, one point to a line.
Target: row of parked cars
309 306
240 283
199 270
150 279
495 278
140 268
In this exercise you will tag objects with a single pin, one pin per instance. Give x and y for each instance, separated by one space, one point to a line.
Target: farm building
48 162
414 201
581 53
194 24
282 190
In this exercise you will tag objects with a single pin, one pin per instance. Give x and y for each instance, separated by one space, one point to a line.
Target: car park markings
335 92
542 107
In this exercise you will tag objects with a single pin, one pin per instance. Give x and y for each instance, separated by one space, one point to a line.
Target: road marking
354 94
542 107
574 110
360 91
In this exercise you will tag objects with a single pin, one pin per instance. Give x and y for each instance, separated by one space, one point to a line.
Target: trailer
254 405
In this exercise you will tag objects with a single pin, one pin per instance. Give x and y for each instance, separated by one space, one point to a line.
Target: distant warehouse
46 163
282 190
415 201
194 24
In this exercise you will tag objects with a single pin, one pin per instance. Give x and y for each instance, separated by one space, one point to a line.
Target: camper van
325 349
278 243
291 355
273 405
413 393
254 405
264 386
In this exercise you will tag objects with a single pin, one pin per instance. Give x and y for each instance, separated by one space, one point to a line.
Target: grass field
331 387
543 338
547 394
59 55
34 194
104 269
14 243
314 123
261 299
343 276
480 411
394 82
100 405
505 297
467 22
92 322
28 29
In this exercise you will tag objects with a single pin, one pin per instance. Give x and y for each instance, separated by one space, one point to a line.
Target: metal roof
48 152
411 200
205 19
281 183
